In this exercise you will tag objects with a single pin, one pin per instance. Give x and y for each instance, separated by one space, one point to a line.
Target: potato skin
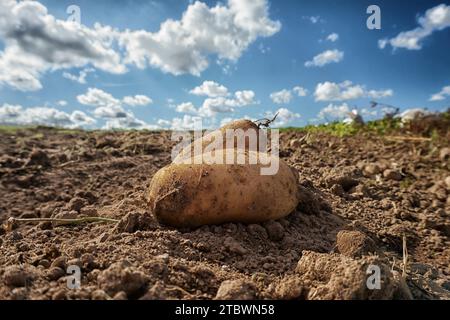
240 124
191 195
243 124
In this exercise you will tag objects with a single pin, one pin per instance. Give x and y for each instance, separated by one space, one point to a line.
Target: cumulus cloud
378 94
210 89
213 106
334 112
324 58
129 121
284 117
281 97
35 42
107 106
17 115
333 37
300 91
285 96
330 91
187 122
435 19
183 46
98 98
137 100
111 109
441 95
186 107
217 103
243 98
62 103
81 77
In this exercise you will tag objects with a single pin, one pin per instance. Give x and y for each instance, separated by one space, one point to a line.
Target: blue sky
265 54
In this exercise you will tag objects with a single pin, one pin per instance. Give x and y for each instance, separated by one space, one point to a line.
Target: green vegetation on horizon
340 129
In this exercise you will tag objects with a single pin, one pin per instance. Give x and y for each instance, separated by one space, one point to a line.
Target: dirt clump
355 243
236 290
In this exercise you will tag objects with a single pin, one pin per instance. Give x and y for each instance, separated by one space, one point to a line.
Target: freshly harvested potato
190 195
247 126
240 124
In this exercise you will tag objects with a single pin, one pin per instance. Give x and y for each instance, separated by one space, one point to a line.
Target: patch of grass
341 129
336 129
383 126
406 183
12 129
9 129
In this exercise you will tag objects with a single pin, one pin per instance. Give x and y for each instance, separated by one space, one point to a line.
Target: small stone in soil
236 290
390 174
275 230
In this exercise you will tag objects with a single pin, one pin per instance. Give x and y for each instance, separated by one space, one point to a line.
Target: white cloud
263 49
378 94
210 89
334 112
128 122
163 123
284 117
36 42
107 106
285 96
98 98
219 104
183 46
441 95
314 19
212 106
137 100
186 107
281 97
243 98
17 115
300 91
333 37
187 122
110 108
44 44
80 119
62 103
330 91
435 19
326 57
81 77
110 112
382 43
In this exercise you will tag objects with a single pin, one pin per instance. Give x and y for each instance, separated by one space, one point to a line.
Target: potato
191 195
209 139
240 124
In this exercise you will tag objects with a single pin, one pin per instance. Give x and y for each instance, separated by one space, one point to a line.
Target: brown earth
363 196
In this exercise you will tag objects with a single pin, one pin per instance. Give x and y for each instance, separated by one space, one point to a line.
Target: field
373 196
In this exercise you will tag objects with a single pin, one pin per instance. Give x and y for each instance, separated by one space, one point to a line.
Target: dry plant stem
405 257
65 221
407 138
